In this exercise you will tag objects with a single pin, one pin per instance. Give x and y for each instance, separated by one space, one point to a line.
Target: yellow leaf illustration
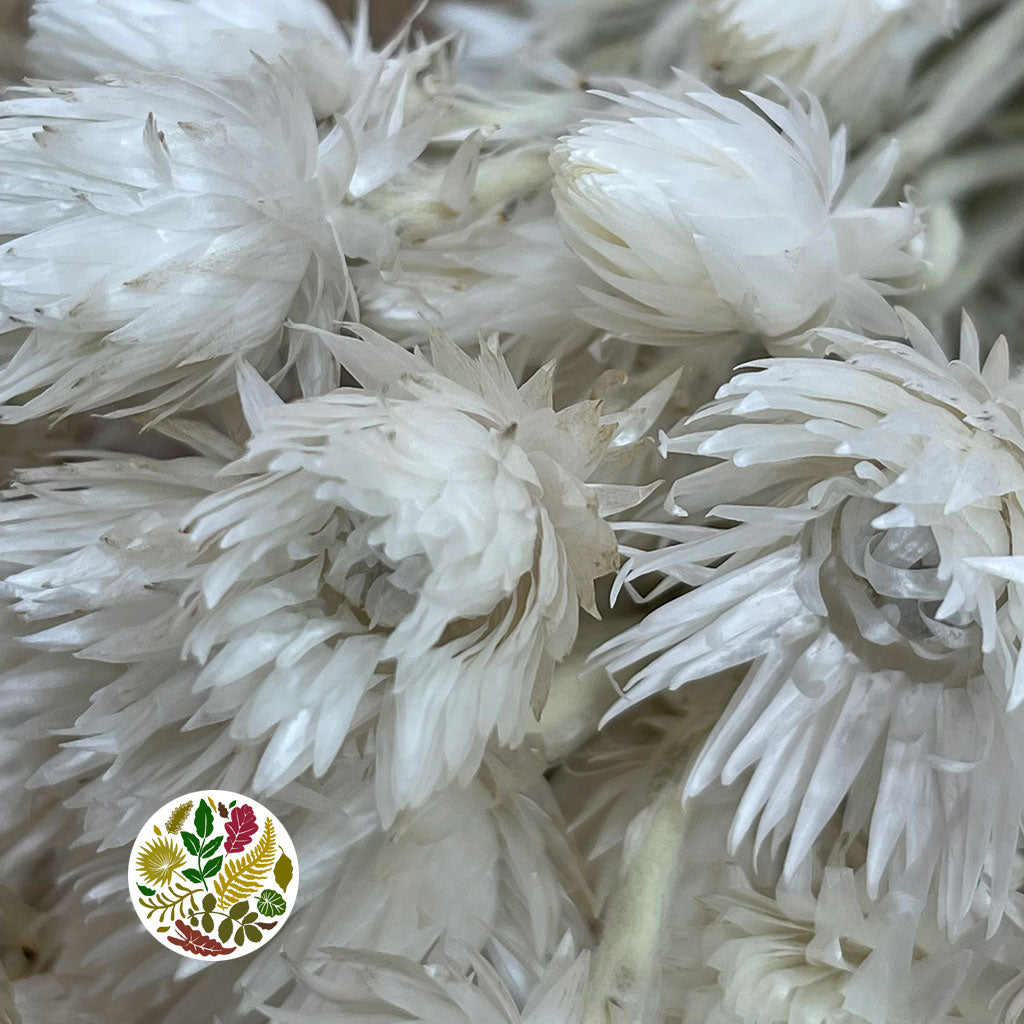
159 859
177 818
243 876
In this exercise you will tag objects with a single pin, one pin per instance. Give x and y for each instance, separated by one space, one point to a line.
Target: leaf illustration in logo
271 903
177 818
172 901
211 867
283 871
210 848
221 809
192 843
145 891
267 925
240 829
158 860
239 910
243 876
194 941
203 820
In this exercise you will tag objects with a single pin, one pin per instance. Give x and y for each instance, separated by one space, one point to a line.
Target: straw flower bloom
413 556
705 216
858 542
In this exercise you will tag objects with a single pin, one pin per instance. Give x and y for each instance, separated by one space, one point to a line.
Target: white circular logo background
213 875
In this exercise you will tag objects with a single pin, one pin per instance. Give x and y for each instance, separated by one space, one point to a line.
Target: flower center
882 591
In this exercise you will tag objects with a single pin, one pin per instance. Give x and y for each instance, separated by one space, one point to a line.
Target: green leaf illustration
203 820
207 922
224 931
192 875
145 891
252 934
239 910
249 918
164 928
240 936
192 843
232 804
283 871
178 901
209 902
271 904
211 867
211 847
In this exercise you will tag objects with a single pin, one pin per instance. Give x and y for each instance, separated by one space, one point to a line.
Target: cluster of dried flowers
543 460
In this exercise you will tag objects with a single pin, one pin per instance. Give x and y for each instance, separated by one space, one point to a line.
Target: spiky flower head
159 227
856 56
858 540
412 555
208 39
707 217
833 957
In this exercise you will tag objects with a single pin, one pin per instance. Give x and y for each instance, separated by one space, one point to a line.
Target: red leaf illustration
267 925
194 941
240 829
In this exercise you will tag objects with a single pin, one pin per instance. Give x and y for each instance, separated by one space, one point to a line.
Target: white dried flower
834 958
159 228
856 56
208 39
872 576
705 217
349 984
413 554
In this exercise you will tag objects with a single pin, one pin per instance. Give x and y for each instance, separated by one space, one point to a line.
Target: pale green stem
580 694
980 167
988 244
625 968
417 205
960 92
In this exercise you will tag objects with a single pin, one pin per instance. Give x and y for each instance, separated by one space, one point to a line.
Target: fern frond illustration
159 859
173 901
177 818
243 876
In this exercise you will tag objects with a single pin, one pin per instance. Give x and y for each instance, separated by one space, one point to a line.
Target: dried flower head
858 542
706 217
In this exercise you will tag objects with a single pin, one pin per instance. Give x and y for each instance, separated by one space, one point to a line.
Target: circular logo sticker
213 874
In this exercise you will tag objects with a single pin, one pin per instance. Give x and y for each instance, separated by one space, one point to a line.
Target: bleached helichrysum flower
159 228
208 39
415 553
346 985
859 542
832 958
856 56
706 217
